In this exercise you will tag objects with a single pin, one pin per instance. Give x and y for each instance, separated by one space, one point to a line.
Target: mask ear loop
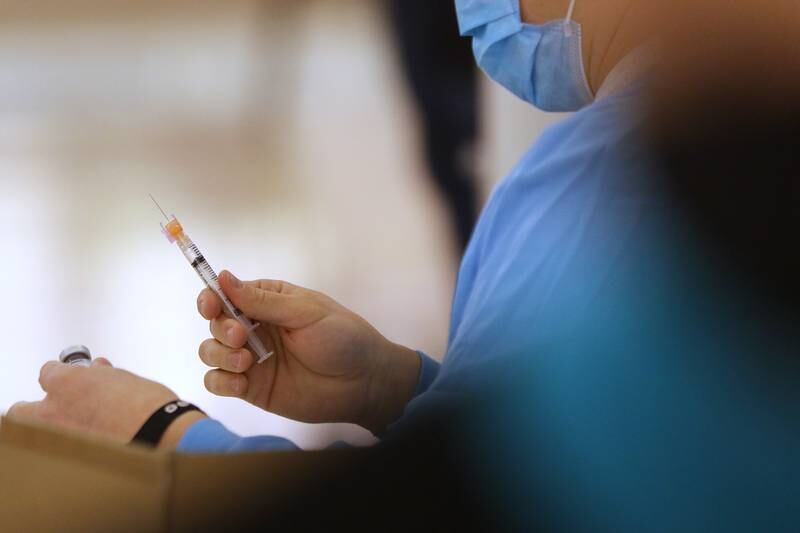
568 30
568 20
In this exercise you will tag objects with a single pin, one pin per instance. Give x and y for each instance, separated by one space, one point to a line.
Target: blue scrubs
647 389
548 237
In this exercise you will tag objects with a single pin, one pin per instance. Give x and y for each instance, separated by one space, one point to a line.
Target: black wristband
153 430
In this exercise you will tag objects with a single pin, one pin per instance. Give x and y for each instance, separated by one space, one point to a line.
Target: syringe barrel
199 263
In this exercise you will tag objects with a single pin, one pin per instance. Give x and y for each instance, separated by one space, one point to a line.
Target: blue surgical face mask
542 63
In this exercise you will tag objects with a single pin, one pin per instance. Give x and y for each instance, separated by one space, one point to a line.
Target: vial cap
72 351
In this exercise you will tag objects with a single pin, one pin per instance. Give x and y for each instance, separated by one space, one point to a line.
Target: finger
217 355
50 373
281 287
284 307
102 361
209 304
226 384
24 411
229 332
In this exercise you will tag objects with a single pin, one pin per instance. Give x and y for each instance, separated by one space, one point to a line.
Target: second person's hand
329 365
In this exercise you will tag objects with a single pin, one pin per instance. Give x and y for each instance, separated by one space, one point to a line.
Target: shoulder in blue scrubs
574 196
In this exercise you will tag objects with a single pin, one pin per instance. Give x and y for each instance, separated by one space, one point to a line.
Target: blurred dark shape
441 71
727 128
737 176
423 480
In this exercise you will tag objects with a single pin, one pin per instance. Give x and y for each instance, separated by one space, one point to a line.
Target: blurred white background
282 136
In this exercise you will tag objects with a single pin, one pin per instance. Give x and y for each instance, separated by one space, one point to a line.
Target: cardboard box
53 481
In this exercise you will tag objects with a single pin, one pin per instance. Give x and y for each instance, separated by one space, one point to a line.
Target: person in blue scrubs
624 351
540 225
536 232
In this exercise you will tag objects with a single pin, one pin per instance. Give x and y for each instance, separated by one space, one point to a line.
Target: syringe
175 234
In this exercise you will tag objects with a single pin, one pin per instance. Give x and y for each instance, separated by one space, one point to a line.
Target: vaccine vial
76 356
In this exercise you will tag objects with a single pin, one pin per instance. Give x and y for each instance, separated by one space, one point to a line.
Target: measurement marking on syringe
175 233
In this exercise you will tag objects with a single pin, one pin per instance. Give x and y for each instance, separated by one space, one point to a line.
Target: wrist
175 432
392 386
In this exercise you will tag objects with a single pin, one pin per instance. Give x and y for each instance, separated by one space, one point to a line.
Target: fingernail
237 284
229 333
236 360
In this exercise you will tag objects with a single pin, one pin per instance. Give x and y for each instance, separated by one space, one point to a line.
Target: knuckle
238 385
207 304
50 376
43 371
238 361
247 360
233 334
259 297
102 362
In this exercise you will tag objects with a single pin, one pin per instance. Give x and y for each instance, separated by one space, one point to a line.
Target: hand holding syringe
175 234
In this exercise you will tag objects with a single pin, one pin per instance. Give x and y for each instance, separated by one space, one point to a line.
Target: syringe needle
158 206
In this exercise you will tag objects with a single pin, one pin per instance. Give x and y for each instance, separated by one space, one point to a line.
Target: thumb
284 310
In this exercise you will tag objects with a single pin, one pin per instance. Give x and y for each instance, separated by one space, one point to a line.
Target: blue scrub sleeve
210 436
427 374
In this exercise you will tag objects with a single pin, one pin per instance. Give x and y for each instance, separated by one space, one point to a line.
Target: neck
606 45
